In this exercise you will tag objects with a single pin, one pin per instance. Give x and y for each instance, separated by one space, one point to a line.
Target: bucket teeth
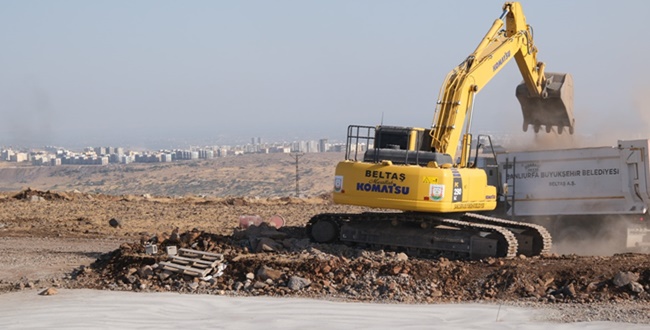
553 109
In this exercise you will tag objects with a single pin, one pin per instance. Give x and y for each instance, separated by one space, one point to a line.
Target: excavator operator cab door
398 138
403 138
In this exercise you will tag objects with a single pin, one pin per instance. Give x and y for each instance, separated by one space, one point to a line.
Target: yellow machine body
413 188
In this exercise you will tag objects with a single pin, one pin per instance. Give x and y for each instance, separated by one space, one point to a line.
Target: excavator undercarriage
466 235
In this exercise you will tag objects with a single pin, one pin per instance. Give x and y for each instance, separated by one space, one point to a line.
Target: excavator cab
553 108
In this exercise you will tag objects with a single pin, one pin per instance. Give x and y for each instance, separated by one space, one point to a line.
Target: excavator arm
546 98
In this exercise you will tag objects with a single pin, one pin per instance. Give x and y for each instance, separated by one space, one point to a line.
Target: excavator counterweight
554 108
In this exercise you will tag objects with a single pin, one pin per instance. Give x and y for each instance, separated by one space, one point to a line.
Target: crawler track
541 240
467 235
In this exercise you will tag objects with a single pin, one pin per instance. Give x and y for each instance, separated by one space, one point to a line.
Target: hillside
263 175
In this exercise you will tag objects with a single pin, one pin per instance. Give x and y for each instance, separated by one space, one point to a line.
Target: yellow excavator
446 202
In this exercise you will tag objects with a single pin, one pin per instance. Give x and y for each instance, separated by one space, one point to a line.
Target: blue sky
106 72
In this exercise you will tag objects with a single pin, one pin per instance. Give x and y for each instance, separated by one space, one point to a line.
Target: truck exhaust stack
554 108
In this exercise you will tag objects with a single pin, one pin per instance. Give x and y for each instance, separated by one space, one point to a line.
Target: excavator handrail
354 134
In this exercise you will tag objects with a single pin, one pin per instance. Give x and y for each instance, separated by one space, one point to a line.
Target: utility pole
296 156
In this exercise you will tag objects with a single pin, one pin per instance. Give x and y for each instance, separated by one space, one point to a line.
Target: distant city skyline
172 144
153 143
104 155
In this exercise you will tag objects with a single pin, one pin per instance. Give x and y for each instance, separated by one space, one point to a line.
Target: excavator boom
546 98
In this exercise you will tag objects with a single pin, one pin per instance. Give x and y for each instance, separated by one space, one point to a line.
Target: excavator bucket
554 108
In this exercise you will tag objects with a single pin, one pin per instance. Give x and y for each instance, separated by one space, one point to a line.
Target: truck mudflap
553 109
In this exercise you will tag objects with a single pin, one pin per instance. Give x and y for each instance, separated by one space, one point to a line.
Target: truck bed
579 181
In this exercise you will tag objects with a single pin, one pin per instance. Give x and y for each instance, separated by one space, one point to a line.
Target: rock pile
37 195
266 261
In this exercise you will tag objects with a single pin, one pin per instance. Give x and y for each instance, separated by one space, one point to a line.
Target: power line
296 156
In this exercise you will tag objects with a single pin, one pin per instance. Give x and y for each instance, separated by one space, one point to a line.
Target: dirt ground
80 240
46 236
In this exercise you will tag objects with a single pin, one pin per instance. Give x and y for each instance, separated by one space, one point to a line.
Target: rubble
307 269
298 283
48 292
37 195
263 260
115 223
266 273
624 278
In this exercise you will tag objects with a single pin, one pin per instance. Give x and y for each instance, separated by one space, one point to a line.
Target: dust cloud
592 247
591 235
604 236
594 127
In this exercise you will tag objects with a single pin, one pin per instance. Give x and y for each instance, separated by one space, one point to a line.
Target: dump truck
594 194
